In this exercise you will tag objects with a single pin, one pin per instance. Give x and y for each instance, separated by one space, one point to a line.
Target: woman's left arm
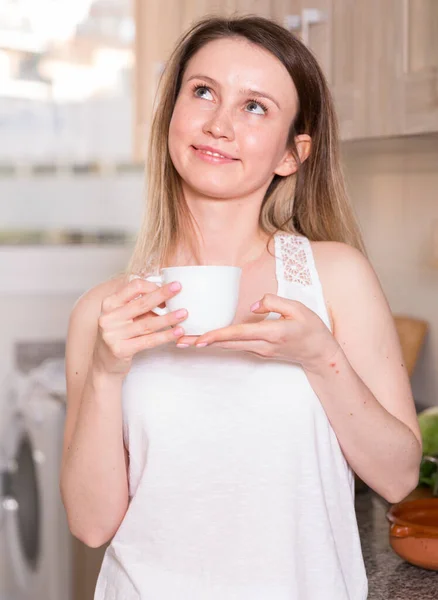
365 388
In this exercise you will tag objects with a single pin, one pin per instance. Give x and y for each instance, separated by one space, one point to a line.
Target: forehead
238 62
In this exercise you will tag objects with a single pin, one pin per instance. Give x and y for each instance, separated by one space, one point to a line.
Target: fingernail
255 306
201 345
175 286
182 345
180 313
178 332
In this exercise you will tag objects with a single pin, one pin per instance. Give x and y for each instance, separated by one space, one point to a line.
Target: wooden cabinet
381 61
417 75
347 68
332 29
401 87
380 57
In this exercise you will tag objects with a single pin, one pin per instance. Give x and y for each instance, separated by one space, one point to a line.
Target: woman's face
216 108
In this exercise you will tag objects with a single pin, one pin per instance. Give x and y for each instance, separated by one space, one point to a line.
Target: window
66 81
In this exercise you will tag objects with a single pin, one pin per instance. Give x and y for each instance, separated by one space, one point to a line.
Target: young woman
226 471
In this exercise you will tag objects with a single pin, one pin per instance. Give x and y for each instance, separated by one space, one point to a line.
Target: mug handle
159 281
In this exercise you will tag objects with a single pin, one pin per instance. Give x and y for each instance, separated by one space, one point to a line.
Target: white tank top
239 489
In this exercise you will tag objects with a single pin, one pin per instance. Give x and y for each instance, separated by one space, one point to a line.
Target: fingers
258 347
127 293
187 340
245 331
151 323
272 303
138 298
265 330
126 348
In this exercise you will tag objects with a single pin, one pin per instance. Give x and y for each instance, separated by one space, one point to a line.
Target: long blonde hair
312 202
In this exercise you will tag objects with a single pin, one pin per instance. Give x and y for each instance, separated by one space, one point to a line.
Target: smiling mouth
213 154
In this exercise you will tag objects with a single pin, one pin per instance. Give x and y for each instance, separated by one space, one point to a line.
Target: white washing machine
35 543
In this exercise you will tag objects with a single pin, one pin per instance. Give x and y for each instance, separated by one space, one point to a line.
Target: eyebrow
257 93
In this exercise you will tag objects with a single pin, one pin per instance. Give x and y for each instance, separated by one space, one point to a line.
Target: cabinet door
262 8
281 8
309 20
418 72
347 64
333 30
195 9
316 31
380 36
192 10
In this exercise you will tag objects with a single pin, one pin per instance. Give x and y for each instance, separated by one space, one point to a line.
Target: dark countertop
389 576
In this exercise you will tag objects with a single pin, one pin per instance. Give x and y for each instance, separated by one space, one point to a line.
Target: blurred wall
394 188
63 199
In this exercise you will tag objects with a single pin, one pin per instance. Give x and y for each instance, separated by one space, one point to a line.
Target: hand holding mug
128 324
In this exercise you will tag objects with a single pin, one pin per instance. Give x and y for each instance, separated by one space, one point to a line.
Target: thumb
272 303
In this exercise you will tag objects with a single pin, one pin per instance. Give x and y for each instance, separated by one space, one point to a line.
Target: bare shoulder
90 302
346 275
336 259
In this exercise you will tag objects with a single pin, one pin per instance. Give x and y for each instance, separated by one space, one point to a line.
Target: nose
219 125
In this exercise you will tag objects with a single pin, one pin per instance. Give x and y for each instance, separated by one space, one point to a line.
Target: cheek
184 129
263 148
178 125
178 132
185 120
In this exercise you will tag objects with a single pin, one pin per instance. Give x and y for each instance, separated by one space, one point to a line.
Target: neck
228 233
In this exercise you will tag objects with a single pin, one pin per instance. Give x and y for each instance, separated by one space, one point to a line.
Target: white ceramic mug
209 294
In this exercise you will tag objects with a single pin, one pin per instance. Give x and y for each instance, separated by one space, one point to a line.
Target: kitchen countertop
389 576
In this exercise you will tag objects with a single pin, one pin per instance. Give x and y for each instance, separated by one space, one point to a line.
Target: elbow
408 483
89 533
87 521
398 494
93 533
93 537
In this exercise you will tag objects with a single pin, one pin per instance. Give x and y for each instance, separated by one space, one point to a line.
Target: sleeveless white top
239 489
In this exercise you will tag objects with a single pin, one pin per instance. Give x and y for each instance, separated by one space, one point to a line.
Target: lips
216 150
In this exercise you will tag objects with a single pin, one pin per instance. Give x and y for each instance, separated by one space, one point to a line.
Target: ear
288 164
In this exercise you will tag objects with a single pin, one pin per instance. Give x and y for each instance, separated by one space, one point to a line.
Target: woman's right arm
108 325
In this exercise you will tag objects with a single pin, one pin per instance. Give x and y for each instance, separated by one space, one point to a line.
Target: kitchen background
77 87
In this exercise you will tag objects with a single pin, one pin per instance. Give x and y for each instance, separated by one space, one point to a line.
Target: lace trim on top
294 257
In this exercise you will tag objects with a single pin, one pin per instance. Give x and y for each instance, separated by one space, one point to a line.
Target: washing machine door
20 502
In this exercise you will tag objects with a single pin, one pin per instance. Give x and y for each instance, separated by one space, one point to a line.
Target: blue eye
263 106
200 86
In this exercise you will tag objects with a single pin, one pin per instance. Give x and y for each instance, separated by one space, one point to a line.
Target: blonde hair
312 202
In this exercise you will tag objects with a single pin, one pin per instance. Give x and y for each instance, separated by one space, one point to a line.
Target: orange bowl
413 531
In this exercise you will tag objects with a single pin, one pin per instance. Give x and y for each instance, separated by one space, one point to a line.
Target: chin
212 192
